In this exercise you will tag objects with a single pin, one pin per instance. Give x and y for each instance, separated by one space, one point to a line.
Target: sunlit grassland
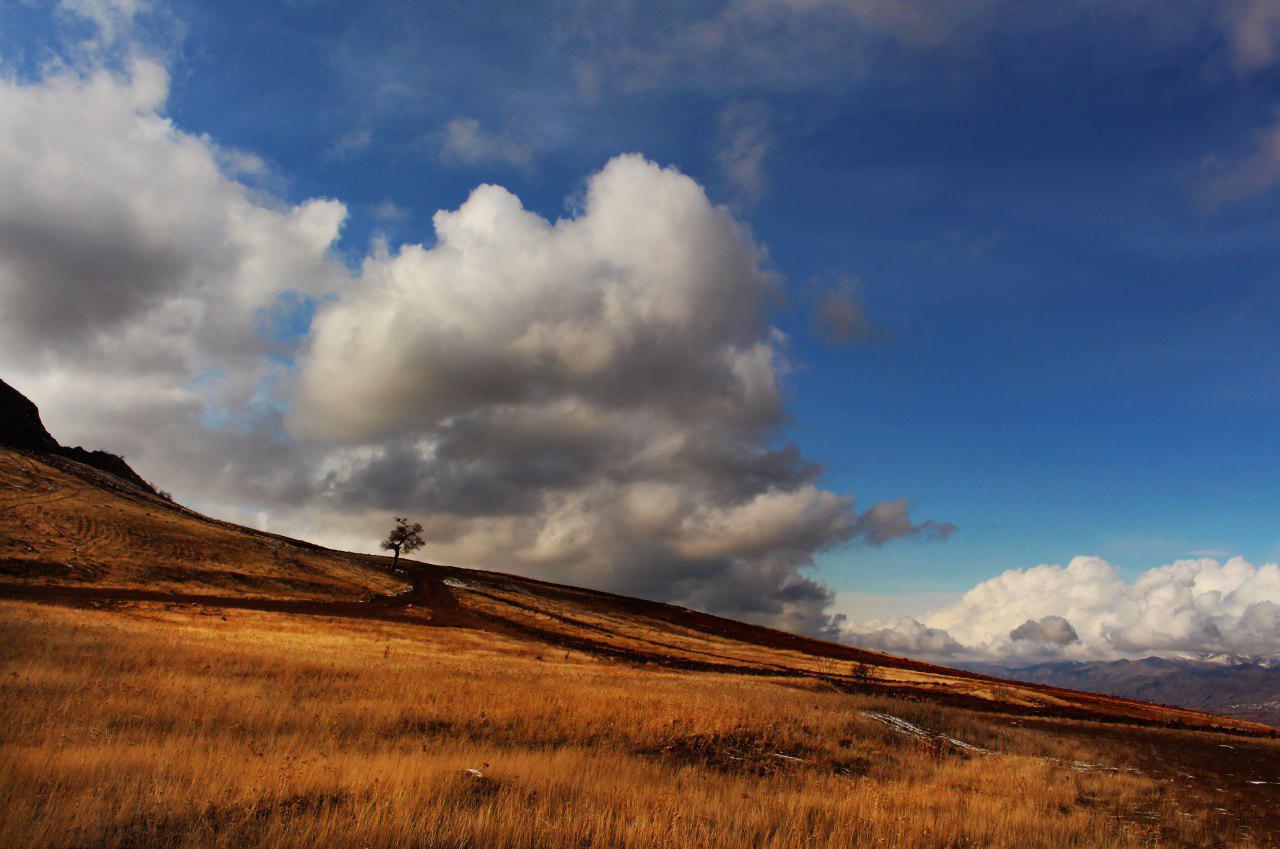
147 726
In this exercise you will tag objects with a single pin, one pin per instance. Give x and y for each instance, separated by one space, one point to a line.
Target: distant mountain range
1248 689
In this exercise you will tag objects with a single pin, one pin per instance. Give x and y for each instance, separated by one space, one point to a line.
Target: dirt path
429 601
426 592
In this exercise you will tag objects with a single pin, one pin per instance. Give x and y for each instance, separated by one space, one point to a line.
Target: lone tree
403 537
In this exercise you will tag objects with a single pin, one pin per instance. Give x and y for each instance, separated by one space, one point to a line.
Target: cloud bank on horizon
1086 611
595 399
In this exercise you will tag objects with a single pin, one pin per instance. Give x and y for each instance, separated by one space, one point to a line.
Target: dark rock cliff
20 427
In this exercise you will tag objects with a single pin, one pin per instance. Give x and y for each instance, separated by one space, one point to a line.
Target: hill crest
22 428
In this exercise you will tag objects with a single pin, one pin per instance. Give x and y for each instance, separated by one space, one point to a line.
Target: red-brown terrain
79 537
73 534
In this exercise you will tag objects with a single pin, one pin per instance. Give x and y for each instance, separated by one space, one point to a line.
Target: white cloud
906 636
138 278
840 318
240 164
1051 630
1255 172
388 210
858 606
352 143
755 45
595 399
465 141
118 232
749 44
113 19
1253 32
1086 611
744 140
100 33
652 290
888 520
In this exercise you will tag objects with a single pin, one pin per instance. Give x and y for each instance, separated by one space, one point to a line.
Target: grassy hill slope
74 533
173 680
68 523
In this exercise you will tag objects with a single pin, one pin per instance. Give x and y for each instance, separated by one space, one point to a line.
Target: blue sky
1061 227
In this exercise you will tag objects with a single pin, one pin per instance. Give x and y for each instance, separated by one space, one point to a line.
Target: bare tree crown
405 537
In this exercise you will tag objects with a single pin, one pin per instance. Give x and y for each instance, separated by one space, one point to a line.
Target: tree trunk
395 561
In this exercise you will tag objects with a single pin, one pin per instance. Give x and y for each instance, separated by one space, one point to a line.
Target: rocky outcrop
20 427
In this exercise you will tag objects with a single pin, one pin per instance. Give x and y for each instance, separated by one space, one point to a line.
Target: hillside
71 524
174 680
73 533
85 518
1244 689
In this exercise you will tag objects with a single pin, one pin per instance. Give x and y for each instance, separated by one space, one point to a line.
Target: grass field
147 725
61 521
168 680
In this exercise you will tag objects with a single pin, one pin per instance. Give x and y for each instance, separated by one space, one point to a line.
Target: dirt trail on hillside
429 601
426 593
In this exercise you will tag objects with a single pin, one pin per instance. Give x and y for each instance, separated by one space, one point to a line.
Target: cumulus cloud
889 520
147 296
592 398
651 297
595 399
1086 611
465 141
905 636
1053 630
125 245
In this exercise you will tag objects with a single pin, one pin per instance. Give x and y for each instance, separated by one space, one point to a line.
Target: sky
792 310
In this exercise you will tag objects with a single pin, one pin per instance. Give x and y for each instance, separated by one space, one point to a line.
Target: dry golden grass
69 530
65 523
593 720
149 725
666 635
